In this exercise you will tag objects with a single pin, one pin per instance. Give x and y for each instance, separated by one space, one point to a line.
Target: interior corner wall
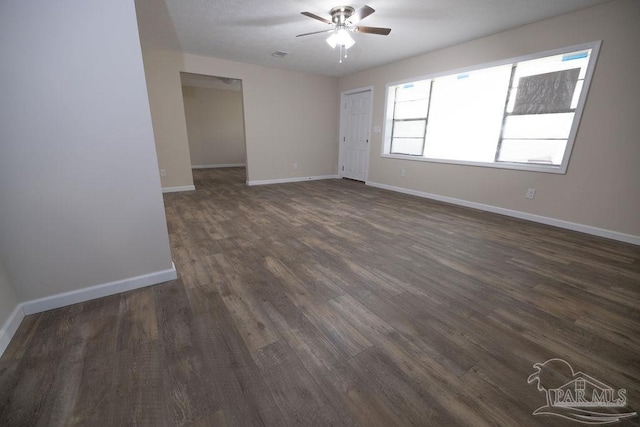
162 71
215 126
303 129
80 197
8 299
600 188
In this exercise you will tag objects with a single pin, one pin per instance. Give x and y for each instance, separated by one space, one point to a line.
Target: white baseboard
98 291
228 165
610 234
10 327
285 180
80 295
177 189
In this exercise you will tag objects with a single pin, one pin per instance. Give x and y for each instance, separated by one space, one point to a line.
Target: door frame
215 75
343 123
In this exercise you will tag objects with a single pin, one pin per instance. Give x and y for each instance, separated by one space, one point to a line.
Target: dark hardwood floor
334 303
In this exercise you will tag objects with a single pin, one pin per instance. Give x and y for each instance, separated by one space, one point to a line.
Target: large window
520 113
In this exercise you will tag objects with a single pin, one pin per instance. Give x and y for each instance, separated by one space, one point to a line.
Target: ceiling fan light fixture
341 37
345 20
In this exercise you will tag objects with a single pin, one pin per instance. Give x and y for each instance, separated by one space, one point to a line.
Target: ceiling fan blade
319 18
361 13
373 30
315 32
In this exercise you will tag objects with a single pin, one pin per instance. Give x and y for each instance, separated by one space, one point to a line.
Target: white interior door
356 126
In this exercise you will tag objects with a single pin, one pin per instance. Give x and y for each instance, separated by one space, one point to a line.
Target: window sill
502 165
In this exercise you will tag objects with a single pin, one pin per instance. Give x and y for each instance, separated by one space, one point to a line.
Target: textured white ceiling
251 30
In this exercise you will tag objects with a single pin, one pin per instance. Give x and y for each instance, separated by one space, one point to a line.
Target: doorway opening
214 113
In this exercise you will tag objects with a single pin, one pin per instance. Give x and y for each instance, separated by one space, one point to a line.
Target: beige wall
290 117
600 188
80 197
8 300
164 89
215 126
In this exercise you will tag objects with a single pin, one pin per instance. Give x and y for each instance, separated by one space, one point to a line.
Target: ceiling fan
344 19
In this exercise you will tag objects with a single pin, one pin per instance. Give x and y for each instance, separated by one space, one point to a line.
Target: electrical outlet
531 193
403 172
295 165
163 172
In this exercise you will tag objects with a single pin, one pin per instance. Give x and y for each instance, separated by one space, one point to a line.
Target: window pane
538 151
413 91
576 94
554 63
411 109
538 126
409 129
466 115
412 146
535 67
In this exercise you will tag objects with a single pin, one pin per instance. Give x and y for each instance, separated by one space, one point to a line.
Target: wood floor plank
407 401
181 361
334 303
138 319
233 380
248 315
38 392
337 329
144 400
430 373
29 327
293 389
100 317
98 397
354 402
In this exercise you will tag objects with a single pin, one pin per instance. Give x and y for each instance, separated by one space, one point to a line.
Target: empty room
237 213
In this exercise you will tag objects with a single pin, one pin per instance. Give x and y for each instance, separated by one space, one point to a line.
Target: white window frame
558 169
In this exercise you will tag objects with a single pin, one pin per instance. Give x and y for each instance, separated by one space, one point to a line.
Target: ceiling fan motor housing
340 14
346 18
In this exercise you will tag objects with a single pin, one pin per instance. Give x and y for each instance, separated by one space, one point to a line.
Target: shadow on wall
215 120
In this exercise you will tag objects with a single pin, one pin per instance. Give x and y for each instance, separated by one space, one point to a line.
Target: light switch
376 129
